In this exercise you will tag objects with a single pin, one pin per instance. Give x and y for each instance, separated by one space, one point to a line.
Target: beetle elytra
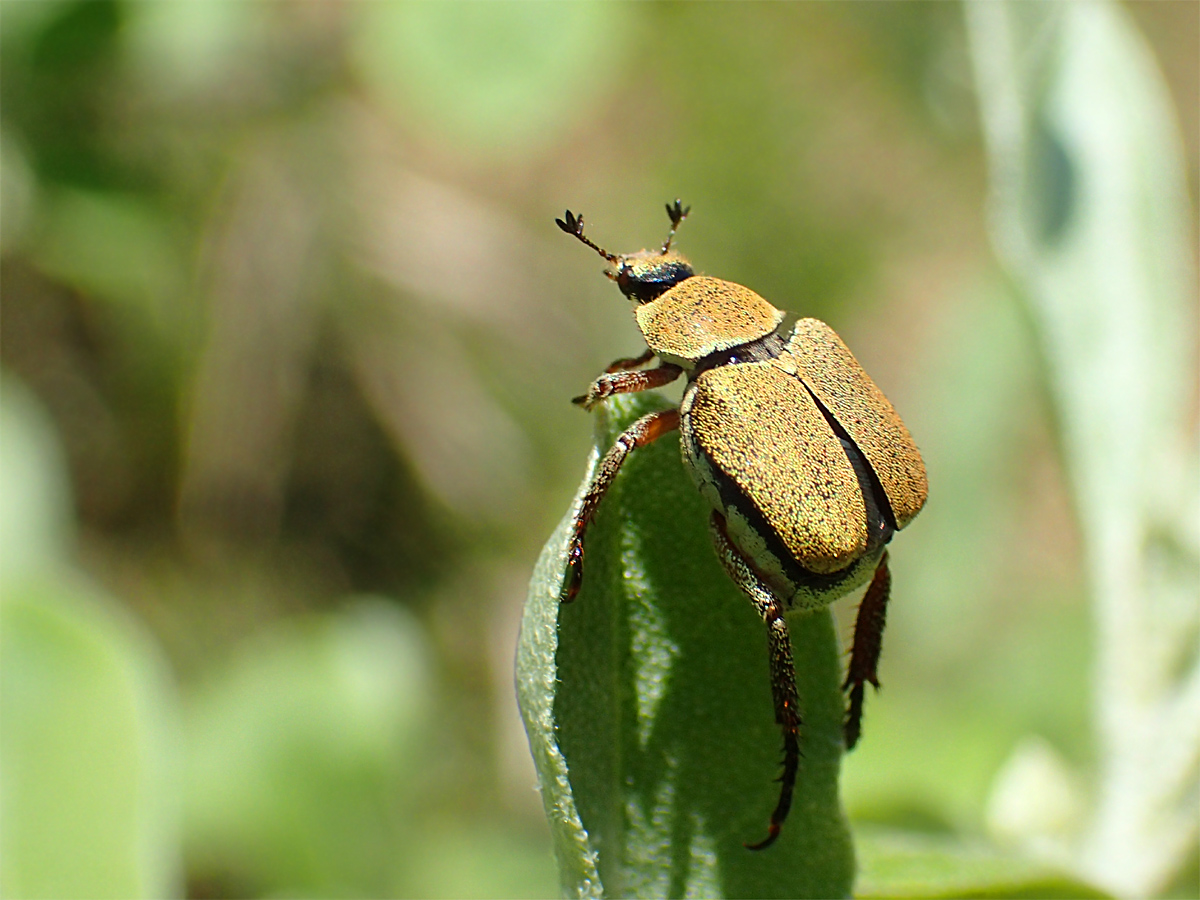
808 468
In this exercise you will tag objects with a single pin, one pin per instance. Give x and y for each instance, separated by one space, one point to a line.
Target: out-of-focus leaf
648 706
21 20
495 78
114 247
87 805
898 864
481 860
17 191
1090 215
304 756
87 797
182 48
35 513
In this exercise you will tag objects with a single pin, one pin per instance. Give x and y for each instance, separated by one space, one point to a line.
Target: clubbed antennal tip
678 212
574 226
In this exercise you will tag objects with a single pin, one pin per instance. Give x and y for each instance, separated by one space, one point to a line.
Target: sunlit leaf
87 792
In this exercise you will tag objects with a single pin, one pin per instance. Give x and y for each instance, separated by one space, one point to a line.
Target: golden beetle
808 468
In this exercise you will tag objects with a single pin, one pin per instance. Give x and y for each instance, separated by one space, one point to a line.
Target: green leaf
899 864
493 79
35 496
87 790
88 793
117 247
648 705
311 736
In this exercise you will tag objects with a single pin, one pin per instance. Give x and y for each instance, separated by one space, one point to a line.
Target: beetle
807 466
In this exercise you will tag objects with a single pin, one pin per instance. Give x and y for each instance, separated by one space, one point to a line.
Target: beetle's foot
772 834
588 401
573 580
787 780
601 389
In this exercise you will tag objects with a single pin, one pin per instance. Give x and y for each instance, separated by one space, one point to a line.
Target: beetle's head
644 275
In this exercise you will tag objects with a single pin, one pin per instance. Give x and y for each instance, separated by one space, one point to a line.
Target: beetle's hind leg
645 430
868 640
783 669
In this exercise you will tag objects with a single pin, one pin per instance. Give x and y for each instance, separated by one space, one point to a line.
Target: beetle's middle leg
868 639
645 430
622 381
630 362
783 669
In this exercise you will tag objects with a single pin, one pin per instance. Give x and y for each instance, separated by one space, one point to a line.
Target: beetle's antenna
678 213
574 226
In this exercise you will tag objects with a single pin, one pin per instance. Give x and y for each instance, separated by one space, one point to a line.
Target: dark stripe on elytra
732 497
766 348
881 522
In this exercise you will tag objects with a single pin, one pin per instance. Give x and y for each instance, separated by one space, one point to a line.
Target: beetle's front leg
783 669
625 382
868 640
645 430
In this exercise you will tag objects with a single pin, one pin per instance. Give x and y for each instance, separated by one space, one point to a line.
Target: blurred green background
288 342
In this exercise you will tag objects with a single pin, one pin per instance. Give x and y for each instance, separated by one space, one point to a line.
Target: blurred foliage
910 864
89 748
283 282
